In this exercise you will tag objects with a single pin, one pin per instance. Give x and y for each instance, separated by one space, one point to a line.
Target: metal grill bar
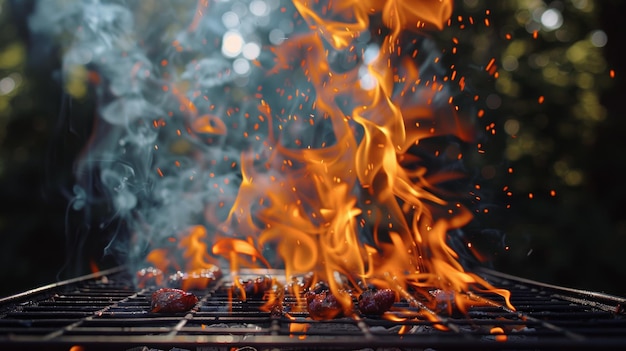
104 311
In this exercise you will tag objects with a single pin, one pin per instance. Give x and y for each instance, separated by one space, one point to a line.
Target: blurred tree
555 113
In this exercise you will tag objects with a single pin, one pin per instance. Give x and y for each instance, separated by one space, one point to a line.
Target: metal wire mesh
104 311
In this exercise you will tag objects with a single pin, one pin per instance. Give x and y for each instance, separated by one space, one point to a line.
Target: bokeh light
232 44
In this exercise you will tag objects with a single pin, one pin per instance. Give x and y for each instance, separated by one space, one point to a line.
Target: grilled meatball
198 279
376 302
323 305
257 287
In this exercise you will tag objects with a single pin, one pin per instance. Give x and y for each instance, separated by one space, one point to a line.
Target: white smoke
156 174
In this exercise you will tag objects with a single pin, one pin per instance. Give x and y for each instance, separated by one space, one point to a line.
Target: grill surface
104 312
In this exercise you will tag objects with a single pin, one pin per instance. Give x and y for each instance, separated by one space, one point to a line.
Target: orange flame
93 266
209 124
310 204
340 22
198 264
297 328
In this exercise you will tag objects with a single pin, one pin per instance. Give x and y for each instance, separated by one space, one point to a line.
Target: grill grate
103 311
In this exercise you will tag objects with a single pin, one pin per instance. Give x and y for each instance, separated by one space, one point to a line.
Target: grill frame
102 311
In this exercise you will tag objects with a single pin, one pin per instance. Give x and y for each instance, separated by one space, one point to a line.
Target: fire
305 155
369 178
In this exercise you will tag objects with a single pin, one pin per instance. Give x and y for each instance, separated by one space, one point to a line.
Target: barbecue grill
104 311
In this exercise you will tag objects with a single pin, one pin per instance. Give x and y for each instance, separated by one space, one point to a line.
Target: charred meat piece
258 286
376 302
324 305
197 279
167 300
149 276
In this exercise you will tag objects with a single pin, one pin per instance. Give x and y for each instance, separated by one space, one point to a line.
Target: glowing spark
490 66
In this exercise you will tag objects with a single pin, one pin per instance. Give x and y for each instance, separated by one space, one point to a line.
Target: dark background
575 238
